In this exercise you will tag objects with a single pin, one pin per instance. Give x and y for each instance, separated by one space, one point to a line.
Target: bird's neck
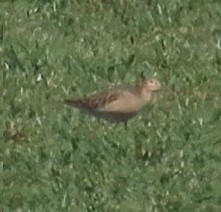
147 96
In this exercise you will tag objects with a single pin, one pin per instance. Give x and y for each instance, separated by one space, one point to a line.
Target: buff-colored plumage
118 104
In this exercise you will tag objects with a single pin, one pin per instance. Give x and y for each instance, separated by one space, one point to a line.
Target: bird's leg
125 125
138 149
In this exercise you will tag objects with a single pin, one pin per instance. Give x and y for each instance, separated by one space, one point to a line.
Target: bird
120 103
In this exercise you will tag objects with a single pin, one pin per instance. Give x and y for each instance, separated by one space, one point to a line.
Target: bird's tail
73 103
79 103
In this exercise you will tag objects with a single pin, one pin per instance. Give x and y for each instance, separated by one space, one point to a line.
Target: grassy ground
56 159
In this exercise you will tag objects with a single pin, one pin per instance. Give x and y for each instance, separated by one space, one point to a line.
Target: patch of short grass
55 158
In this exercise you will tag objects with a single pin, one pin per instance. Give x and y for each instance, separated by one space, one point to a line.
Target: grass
56 159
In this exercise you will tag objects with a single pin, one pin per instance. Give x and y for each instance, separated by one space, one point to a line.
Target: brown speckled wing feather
94 102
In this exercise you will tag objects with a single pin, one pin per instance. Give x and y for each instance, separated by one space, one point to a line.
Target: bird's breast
126 104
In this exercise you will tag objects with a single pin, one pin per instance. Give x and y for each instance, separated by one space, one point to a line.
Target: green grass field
57 159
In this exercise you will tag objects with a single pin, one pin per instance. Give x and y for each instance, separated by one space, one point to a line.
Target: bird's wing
94 102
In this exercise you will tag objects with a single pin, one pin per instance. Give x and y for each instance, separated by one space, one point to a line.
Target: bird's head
147 87
151 85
